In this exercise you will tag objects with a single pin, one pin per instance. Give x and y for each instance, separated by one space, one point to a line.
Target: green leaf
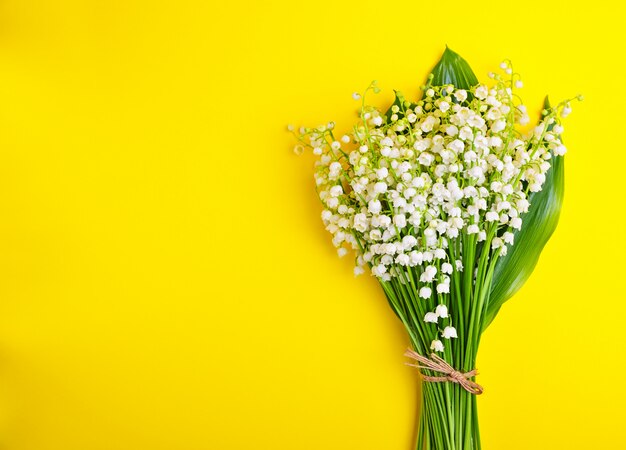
452 69
512 270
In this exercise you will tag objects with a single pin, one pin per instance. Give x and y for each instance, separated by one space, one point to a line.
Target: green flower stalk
448 202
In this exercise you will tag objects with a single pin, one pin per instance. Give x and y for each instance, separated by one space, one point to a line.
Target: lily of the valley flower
436 345
431 317
449 332
425 292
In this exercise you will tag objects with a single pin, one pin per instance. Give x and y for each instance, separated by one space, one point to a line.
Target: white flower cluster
404 187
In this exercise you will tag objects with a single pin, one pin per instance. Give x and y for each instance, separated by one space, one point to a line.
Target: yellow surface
165 280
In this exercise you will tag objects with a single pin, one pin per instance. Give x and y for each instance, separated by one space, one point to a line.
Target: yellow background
165 280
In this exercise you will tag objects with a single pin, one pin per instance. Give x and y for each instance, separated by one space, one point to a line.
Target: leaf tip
449 53
546 103
453 69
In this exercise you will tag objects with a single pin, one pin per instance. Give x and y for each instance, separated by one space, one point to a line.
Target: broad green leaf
512 270
452 69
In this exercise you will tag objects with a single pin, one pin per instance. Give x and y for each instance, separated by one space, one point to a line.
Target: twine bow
436 364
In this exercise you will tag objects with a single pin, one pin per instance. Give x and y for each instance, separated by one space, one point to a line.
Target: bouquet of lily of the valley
449 203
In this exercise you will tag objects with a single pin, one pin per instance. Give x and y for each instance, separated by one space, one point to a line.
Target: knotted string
436 364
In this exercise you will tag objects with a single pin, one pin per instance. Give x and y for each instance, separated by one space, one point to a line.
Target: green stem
435 432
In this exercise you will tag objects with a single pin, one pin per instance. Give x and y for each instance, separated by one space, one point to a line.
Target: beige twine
436 364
